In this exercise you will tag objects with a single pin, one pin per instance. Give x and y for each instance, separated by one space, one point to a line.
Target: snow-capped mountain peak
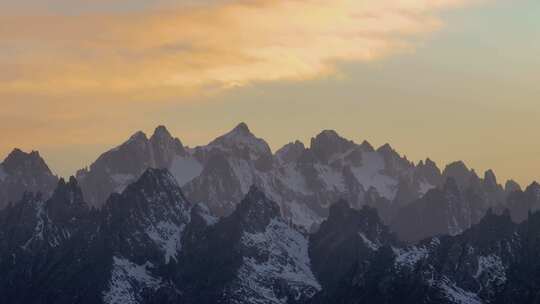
241 143
328 143
154 212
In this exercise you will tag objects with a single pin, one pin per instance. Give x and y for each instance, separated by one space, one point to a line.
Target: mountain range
415 200
154 221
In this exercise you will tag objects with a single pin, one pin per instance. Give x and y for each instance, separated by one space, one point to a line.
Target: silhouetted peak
385 148
328 143
459 171
256 210
18 155
328 134
427 171
161 132
241 142
16 152
19 160
430 163
242 128
165 146
154 176
71 185
534 184
489 177
511 186
458 166
291 151
388 152
66 196
139 136
534 188
156 189
366 146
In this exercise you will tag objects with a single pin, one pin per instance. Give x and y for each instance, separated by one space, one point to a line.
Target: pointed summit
242 143
161 130
22 172
511 186
389 153
154 180
490 180
19 160
138 136
291 152
165 147
459 171
427 171
386 148
366 146
146 221
534 188
67 201
242 128
256 210
328 143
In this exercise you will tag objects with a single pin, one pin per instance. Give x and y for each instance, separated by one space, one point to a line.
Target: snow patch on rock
425 187
39 228
410 256
370 244
491 271
127 281
282 258
370 174
457 295
167 236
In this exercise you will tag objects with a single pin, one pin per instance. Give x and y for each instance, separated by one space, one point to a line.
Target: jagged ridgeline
150 244
154 221
417 200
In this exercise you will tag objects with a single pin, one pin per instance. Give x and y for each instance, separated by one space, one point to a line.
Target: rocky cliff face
261 259
484 264
304 181
416 200
117 168
150 244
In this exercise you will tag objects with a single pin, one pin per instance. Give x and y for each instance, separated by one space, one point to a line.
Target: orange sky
79 76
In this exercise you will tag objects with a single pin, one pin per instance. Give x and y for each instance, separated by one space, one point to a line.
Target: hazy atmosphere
445 79
269 151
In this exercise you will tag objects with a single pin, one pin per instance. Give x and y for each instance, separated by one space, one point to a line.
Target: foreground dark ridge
149 244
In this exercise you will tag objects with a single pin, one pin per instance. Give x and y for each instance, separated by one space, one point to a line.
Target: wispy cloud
173 48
